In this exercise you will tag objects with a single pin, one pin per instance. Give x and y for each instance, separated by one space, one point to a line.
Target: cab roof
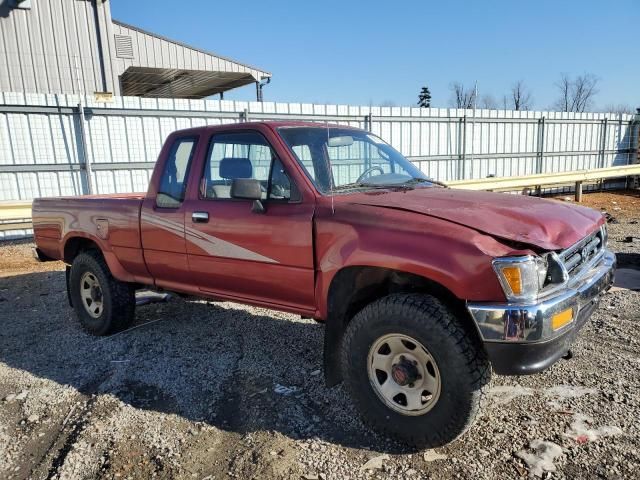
273 124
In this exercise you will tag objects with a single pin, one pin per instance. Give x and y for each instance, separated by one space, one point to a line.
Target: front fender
451 255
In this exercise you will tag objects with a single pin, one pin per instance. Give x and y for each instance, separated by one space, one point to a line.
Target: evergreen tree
424 99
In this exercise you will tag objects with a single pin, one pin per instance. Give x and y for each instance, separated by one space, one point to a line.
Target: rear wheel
412 369
103 304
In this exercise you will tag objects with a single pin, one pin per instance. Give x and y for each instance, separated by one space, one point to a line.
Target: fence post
540 151
368 122
633 155
85 150
578 192
463 148
603 142
368 127
541 137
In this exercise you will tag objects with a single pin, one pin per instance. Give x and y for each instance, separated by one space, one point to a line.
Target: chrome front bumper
529 323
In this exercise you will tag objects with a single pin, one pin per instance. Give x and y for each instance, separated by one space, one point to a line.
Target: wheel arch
77 243
354 287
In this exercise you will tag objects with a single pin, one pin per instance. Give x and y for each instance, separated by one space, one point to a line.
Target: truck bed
111 220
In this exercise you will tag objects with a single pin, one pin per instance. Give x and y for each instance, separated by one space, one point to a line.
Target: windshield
339 159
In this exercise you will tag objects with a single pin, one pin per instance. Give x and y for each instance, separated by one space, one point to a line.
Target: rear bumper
520 340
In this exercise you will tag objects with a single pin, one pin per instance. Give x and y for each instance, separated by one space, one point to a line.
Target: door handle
200 217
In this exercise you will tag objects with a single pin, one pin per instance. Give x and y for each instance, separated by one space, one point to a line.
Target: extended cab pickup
423 289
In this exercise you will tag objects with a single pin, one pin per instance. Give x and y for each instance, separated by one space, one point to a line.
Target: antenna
329 171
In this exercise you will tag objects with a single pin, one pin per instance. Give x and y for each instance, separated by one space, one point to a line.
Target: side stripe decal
212 245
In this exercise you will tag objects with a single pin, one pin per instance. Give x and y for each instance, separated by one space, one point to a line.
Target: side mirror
248 189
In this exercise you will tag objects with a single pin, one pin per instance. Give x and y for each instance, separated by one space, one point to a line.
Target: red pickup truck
423 289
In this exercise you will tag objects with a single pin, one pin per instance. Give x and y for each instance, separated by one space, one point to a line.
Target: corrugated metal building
73 46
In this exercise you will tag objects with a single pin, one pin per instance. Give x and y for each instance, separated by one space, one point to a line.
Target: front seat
229 169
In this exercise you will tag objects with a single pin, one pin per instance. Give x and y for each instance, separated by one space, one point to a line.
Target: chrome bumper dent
510 322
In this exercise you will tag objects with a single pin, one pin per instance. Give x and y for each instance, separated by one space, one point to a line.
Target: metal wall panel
53 47
68 46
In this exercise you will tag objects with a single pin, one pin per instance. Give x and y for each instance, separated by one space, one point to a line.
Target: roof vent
124 46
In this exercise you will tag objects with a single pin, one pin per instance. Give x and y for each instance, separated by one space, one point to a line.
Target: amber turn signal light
513 278
561 319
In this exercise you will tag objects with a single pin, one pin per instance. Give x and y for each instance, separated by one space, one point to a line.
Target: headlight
521 277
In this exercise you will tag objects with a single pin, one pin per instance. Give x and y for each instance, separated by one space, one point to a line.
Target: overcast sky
373 52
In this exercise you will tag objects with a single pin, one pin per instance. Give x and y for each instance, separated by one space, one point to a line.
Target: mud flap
332 339
67 276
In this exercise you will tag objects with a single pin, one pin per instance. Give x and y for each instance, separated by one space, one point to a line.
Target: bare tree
584 88
520 98
618 109
576 95
462 97
565 87
487 101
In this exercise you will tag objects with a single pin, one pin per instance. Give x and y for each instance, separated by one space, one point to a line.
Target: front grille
574 257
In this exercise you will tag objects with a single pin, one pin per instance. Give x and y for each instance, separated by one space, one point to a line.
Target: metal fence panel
42 152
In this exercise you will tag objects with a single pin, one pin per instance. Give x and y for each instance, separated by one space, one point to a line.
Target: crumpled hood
548 224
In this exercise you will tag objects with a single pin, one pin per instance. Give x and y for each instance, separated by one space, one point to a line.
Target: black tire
462 363
118 298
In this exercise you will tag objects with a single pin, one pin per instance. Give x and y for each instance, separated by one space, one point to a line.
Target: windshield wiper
347 186
430 180
375 186
407 184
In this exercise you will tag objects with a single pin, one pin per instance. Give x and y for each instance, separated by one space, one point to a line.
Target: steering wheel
278 191
368 171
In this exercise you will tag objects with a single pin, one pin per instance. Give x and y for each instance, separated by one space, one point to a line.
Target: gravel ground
219 390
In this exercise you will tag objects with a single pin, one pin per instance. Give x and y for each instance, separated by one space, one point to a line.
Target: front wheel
103 304
412 369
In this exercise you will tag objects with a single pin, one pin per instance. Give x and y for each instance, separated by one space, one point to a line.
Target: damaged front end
549 298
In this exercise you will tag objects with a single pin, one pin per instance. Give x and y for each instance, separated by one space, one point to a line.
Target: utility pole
259 86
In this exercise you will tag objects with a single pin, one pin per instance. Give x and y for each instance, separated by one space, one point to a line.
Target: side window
173 182
244 155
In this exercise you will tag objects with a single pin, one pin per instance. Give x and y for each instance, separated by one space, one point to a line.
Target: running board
145 297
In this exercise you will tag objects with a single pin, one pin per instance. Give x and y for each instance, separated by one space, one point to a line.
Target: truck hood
547 224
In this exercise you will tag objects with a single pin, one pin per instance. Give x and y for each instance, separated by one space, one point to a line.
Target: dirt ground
624 204
217 390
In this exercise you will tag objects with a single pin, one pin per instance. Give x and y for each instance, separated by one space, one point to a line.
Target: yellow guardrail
15 210
15 216
540 180
19 213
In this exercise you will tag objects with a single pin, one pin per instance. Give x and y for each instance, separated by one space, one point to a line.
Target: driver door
234 252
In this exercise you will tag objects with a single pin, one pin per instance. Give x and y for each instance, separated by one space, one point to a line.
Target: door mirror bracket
257 207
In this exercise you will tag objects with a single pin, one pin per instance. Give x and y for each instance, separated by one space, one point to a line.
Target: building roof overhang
155 66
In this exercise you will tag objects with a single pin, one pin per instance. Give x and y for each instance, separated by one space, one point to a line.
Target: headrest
235 167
